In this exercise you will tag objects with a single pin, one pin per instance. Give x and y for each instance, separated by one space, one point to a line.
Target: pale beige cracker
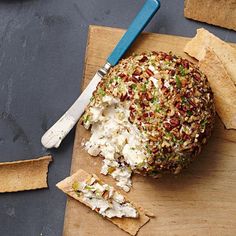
215 12
222 87
204 40
24 175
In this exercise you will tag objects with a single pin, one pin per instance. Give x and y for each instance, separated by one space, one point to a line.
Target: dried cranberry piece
186 136
155 150
174 122
183 113
184 108
134 79
122 75
178 106
168 57
192 103
149 72
123 97
167 126
185 64
137 71
165 150
196 76
143 59
165 90
172 72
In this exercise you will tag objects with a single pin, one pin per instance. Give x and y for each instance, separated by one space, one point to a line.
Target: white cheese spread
104 199
117 140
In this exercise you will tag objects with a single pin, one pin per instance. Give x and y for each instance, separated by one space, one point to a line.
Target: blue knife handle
139 23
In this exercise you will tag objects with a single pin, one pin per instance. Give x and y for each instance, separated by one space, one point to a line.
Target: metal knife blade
54 136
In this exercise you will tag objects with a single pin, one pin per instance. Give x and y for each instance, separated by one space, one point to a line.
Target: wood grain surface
199 201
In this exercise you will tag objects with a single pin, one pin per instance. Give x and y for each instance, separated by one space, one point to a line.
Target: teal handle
139 23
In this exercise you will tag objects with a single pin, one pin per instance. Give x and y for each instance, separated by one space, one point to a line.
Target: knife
54 136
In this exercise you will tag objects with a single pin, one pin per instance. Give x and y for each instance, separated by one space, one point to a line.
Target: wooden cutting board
200 201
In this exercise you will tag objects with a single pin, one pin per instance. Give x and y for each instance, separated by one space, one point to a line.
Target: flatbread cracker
222 87
204 40
24 175
220 12
129 225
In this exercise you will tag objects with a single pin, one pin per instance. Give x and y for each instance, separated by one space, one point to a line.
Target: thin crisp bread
130 225
222 87
24 175
203 41
215 12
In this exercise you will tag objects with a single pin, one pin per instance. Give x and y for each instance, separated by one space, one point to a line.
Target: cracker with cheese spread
105 200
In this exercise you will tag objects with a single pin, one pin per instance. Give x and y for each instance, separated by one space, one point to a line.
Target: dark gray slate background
42 46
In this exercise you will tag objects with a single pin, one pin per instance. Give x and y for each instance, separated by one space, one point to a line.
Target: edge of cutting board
92 29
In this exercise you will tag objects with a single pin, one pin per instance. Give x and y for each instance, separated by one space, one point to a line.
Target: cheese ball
167 114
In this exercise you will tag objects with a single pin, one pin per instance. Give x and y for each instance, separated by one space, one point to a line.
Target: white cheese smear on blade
104 198
116 139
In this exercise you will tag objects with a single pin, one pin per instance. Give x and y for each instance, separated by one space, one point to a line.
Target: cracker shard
220 12
205 40
24 175
130 225
222 87
218 61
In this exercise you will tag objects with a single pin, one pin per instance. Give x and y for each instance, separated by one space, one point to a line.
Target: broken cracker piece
222 87
203 41
24 175
220 12
130 225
